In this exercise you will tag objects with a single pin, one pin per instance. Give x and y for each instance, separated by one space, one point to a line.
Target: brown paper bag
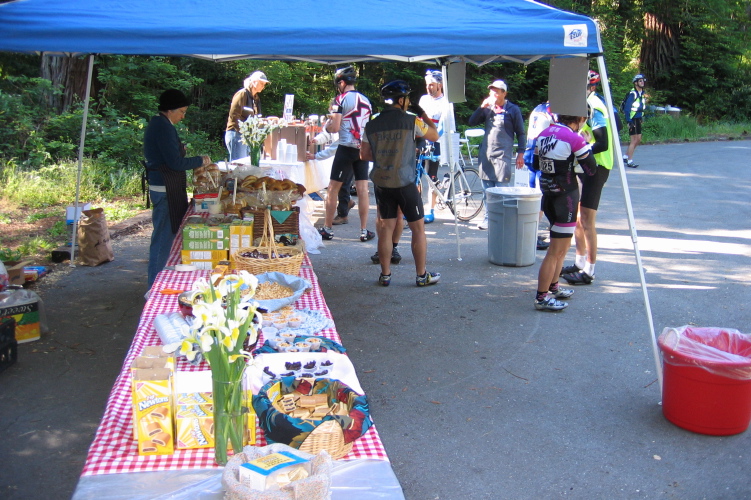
94 245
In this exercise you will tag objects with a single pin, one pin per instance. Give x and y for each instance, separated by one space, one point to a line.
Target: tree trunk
69 74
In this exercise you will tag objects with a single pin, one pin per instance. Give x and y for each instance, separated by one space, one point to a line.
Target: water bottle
446 181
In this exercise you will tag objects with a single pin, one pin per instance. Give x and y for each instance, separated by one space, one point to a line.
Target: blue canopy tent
333 32
477 30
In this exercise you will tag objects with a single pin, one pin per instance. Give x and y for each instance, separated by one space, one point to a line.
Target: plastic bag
4 277
20 296
722 351
308 232
317 486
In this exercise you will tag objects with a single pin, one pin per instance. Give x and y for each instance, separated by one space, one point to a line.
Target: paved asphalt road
475 394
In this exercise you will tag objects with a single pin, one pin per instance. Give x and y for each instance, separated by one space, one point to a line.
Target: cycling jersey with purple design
355 109
557 147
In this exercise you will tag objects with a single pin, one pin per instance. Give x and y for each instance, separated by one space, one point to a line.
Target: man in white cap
245 102
433 103
502 120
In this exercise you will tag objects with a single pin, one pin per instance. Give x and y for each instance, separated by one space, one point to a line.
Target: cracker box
205 232
152 400
148 363
194 426
204 259
240 234
273 470
212 244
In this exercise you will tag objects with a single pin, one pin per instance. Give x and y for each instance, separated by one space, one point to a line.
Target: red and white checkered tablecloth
115 451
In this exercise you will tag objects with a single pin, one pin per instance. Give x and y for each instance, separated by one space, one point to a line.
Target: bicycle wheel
468 202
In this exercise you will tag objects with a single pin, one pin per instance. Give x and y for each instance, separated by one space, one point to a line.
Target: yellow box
199 257
152 400
194 426
194 398
240 235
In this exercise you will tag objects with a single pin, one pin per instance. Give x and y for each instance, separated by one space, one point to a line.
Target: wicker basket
327 436
333 433
287 265
290 226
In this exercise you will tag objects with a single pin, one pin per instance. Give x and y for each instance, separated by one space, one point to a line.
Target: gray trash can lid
516 192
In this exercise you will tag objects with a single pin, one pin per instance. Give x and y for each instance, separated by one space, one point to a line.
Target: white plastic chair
468 134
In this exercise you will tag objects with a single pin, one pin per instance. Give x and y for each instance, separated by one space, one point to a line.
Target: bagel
288 185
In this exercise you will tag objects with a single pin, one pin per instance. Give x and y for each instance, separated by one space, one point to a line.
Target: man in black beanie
166 168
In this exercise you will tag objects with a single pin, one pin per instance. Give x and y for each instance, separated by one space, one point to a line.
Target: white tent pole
80 160
449 128
618 160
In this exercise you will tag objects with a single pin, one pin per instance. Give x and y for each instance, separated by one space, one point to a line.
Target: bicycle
468 201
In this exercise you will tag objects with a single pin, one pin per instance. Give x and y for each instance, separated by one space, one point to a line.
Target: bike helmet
394 90
593 77
347 74
639 77
433 76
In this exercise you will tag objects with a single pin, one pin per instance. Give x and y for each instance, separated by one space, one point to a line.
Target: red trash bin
706 379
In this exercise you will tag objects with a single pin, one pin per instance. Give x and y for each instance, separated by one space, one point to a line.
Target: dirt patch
20 224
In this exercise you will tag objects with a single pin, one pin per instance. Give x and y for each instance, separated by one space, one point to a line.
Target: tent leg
80 160
630 212
449 129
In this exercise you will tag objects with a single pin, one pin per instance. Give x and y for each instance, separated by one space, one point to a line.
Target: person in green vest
634 106
597 130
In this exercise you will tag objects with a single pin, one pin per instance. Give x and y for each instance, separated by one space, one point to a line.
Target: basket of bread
268 255
312 414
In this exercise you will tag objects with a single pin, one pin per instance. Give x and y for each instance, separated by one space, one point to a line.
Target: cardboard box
145 362
206 203
26 314
194 426
240 235
205 232
212 244
201 257
294 134
73 214
152 402
273 470
15 270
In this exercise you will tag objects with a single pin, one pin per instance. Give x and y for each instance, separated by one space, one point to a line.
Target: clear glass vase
255 155
230 408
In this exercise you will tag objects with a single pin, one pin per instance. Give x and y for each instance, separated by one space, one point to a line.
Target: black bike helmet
346 74
395 89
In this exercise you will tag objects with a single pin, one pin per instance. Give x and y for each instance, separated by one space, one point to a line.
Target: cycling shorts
591 187
634 128
346 163
561 209
390 200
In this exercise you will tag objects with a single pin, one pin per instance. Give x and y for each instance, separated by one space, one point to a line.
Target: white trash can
513 214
